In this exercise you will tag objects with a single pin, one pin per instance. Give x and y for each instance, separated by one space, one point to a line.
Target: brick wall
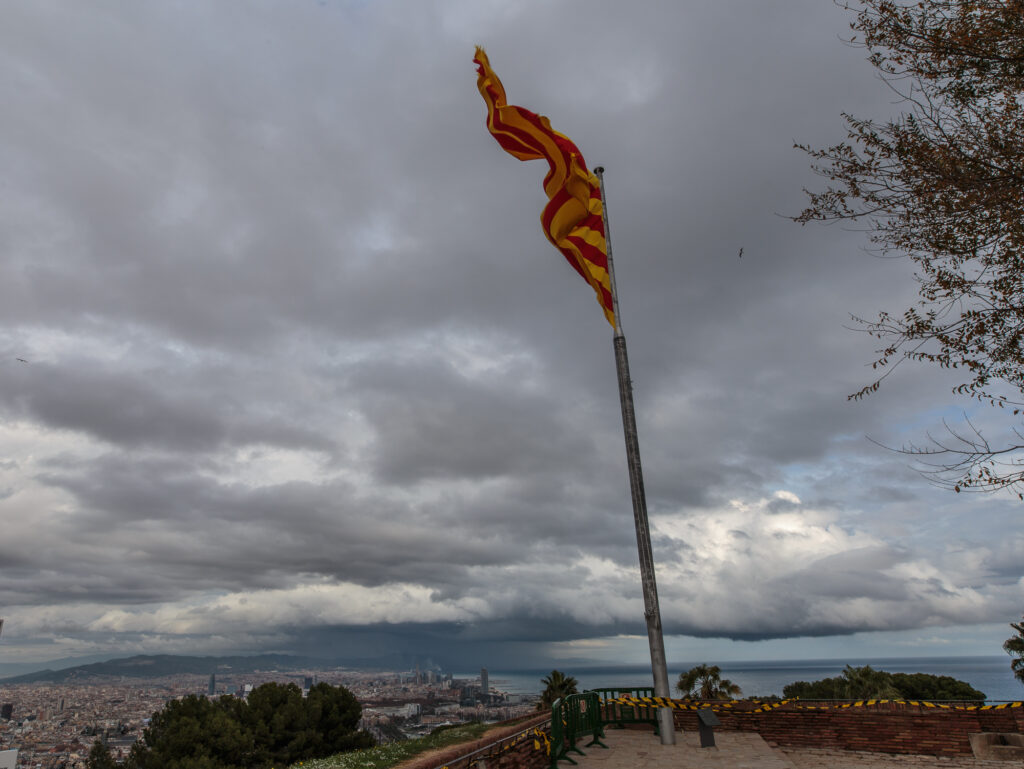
887 728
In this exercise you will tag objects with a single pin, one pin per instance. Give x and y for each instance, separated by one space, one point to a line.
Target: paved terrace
632 748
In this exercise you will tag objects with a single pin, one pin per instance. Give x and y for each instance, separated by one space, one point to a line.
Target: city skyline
287 364
58 721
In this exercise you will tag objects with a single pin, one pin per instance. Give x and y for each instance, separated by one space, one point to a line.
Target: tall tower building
484 688
212 688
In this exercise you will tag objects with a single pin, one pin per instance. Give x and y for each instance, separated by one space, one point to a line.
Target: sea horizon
990 674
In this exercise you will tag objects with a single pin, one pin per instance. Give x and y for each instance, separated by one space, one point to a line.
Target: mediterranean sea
991 675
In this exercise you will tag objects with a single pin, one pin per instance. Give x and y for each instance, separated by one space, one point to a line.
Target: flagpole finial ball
598 169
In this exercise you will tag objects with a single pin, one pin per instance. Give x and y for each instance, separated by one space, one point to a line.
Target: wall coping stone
453 753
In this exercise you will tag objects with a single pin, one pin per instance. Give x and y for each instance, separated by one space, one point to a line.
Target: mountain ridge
159 665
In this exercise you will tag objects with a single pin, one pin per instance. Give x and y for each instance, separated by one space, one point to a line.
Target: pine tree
99 757
1015 648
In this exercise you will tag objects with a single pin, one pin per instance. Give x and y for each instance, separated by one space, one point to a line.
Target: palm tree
557 685
705 682
1015 648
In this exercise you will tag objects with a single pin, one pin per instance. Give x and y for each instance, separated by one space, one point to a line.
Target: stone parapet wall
899 728
879 728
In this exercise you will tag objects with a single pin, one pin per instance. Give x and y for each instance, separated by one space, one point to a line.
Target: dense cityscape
53 726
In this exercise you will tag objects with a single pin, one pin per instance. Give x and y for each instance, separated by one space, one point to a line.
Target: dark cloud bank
302 373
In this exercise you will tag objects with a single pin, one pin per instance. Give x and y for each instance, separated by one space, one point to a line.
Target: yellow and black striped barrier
764 707
666 702
915 703
542 740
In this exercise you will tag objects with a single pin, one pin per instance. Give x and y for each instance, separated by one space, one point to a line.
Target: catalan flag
572 219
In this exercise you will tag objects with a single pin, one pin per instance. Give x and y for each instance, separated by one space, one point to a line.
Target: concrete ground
629 748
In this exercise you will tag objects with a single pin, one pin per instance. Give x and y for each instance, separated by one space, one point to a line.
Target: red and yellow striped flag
572 219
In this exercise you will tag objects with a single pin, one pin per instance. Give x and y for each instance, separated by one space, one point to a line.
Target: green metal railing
558 729
573 718
619 715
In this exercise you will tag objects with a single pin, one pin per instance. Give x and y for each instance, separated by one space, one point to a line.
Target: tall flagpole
652 612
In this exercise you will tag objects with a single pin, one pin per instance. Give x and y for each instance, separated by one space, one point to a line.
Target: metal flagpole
652 612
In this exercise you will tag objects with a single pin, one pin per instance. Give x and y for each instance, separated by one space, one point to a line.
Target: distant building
7 711
484 687
307 682
8 759
212 688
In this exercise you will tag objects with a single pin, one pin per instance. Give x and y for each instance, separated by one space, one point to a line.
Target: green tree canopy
943 184
866 683
924 686
277 719
333 715
274 726
99 757
705 682
194 732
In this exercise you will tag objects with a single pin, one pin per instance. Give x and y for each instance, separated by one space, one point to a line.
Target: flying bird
22 360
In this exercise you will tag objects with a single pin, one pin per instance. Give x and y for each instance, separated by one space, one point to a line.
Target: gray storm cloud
299 365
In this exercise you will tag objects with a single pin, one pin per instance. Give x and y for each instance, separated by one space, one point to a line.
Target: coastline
990 674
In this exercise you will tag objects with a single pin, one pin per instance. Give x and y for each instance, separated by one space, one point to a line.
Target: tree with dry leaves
943 184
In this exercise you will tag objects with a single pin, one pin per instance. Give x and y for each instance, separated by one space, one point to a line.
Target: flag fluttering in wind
572 219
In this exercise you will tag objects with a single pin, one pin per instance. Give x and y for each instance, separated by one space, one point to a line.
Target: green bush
866 683
923 686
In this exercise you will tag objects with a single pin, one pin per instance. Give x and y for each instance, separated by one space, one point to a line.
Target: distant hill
8 669
155 666
158 665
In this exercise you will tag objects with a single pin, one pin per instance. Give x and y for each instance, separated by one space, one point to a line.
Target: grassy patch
386 756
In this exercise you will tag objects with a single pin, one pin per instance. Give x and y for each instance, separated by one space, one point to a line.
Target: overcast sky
301 373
